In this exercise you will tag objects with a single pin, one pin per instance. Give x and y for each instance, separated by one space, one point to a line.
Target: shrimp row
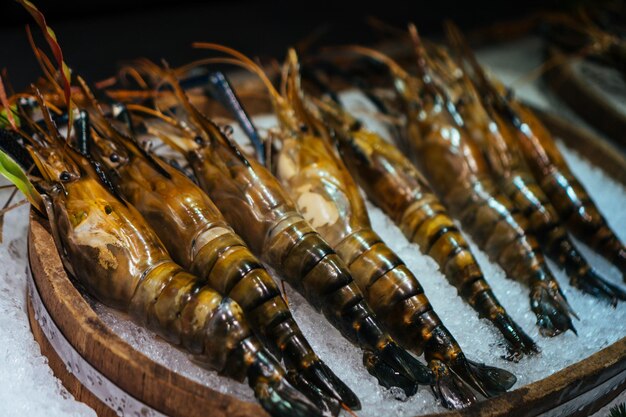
498 144
324 192
535 144
393 183
458 173
257 208
117 257
199 238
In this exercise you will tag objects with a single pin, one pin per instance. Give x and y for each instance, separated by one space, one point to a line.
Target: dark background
97 35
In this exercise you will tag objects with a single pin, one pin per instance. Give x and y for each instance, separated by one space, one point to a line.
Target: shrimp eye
198 140
228 130
65 176
114 158
108 209
304 128
357 125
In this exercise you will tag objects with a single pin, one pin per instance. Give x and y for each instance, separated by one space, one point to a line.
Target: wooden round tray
97 367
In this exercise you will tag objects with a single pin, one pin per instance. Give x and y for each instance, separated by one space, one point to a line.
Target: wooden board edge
69 381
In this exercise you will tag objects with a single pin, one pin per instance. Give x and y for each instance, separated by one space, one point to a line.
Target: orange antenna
250 64
376 55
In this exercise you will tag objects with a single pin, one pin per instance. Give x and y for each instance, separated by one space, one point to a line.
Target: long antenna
222 90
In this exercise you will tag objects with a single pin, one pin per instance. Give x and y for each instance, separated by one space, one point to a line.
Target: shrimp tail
327 405
592 283
458 374
276 395
488 380
518 342
322 378
450 389
552 310
583 276
395 367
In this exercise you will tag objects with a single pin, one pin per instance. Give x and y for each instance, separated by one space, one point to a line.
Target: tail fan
552 310
326 404
487 380
449 389
395 367
275 395
319 374
518 342
592 283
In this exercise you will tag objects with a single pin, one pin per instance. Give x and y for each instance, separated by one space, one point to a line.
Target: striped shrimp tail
395 367
450 389
582 275
518 342
590 282
318 377
275 394
551 308
487 380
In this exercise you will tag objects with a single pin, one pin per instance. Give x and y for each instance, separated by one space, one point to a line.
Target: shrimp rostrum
255 205
458 173
324 191
198 237
111 250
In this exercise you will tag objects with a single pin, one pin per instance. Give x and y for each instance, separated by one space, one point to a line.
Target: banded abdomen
544 222
499 229
573 204
120 260
582 217
198 237
392 182
255 205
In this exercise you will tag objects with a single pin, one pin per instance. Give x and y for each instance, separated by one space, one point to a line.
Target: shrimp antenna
294 93
206 124
53 43
378 56
224 92
486 87
423 62
128 142
281 107
250 64
457 40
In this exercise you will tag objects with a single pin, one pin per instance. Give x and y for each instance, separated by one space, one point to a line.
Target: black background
97 35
